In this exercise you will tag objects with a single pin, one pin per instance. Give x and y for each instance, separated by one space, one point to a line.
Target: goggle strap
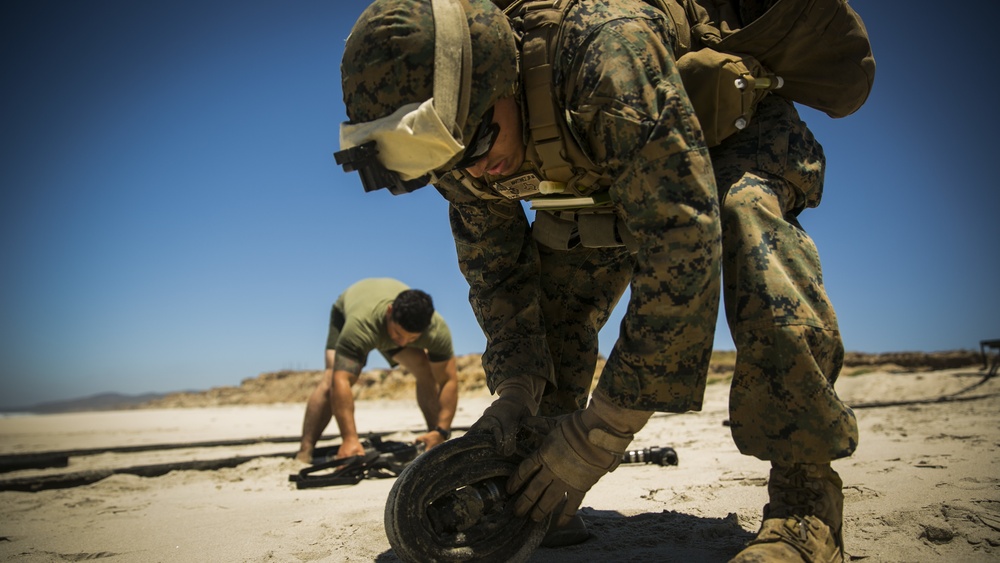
452 75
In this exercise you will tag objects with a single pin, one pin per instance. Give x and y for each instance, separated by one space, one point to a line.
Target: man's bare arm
446 376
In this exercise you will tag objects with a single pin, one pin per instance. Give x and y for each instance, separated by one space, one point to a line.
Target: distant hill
288 386
99 402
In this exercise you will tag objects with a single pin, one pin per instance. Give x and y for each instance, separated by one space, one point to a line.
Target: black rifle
382 459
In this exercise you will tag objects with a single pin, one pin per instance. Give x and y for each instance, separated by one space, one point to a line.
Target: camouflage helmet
388 60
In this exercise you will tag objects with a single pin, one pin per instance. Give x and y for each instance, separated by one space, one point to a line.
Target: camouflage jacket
619 90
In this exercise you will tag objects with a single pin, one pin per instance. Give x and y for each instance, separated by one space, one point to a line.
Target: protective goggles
401 151
374 175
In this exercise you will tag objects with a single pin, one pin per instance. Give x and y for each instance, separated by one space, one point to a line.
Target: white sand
924 485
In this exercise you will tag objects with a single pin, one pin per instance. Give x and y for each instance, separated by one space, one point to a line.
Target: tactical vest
815 52
563 162
572 202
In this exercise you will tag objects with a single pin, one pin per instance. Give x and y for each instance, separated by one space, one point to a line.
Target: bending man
401 323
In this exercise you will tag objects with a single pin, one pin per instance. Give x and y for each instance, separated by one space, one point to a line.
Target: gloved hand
518 399
583 448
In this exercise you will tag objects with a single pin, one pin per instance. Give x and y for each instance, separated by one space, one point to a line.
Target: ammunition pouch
724 88
554 231
590 228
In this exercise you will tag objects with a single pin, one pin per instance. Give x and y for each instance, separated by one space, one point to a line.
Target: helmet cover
388 60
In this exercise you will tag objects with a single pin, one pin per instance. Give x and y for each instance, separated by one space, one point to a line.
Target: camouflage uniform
783 407
782 404
541 308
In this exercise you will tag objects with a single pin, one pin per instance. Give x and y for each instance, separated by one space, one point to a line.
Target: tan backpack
814 52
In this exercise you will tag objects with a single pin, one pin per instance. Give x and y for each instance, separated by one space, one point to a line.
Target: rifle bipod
382 459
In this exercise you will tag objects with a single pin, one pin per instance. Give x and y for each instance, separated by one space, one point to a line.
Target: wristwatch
444 433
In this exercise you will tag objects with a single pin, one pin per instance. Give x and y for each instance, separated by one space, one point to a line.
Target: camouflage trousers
783 406
580 288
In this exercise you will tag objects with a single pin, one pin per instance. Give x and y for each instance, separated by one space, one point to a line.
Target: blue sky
172 216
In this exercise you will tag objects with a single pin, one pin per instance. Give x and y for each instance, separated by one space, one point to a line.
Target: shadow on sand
663 536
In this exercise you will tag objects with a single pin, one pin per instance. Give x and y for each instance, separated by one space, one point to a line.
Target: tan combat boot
803 520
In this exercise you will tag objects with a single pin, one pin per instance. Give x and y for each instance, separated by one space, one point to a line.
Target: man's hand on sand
431 439
350 447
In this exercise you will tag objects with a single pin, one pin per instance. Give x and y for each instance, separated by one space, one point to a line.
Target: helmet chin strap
421 137
452 75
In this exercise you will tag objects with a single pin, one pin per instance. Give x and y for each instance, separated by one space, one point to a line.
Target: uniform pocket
787 149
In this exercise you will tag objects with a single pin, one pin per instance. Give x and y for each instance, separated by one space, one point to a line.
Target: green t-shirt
358 324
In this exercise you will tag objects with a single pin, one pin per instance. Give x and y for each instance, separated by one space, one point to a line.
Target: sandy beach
924 484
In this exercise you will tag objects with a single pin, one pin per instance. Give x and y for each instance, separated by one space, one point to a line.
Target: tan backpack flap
819 47
723 90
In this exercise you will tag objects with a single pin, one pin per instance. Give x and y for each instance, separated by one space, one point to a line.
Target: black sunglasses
482 141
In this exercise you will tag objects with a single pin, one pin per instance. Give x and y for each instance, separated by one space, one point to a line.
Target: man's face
507 153
399 335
